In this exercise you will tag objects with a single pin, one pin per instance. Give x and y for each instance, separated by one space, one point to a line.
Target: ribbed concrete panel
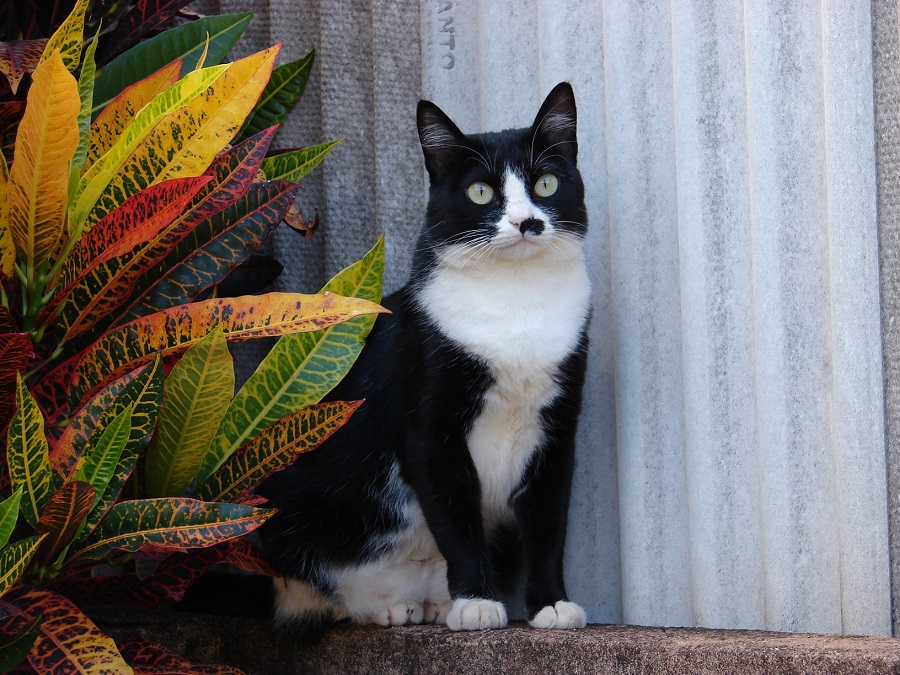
732 450
734 229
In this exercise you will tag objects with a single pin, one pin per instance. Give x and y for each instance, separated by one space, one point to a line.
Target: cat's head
510 195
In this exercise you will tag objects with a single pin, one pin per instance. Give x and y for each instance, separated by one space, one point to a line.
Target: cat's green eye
546 185
480 193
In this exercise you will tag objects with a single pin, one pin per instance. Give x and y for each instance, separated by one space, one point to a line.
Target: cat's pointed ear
439 136
556 121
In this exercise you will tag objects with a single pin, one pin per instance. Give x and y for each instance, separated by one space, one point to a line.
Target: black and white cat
456 471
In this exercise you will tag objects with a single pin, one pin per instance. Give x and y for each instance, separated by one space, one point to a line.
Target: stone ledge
253 646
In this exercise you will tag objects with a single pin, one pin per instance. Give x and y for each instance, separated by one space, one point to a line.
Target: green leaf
195 397
28 455
86 94
281 94
174 522
101 464
14 649
295 164
274 449
186 42
9 514
14 558
141 387
301 368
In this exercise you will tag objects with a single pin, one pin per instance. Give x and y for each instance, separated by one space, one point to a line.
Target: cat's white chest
522 319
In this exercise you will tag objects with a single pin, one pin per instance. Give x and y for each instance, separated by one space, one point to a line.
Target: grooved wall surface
732 448
729 150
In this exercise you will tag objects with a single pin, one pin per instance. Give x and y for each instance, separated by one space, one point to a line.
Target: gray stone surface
886 57
517 650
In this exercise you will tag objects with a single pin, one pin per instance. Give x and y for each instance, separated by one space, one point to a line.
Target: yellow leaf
221 110
39 176
185 142
68 38
97 178
119 113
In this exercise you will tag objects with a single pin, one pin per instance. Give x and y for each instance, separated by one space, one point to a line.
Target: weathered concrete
253 646
886 52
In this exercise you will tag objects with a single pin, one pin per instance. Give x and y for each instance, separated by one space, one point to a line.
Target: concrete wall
732 466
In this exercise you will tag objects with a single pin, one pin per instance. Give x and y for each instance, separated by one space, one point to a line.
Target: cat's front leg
542 507
446 484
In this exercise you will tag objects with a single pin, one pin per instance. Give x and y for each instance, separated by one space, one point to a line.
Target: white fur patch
476 614
522 314
408 582
563 615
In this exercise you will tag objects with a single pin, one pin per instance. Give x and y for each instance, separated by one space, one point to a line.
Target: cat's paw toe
436 612
476 614
400 614
562 615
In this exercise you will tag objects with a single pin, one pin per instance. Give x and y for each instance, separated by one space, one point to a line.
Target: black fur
422 392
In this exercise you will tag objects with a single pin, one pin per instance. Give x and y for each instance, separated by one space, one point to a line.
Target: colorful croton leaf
173 330
295 164
140 388
28 456
215 35
176 522
147 658
18 57
121 111
17 638
39 176
9 514
185 141
302 367
68 642
131 147
275 448
14 558
61 519
195 396
68 39
234 234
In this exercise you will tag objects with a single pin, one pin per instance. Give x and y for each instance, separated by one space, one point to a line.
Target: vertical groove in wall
886 66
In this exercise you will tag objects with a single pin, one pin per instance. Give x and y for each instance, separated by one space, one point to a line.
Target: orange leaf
173 330
39 177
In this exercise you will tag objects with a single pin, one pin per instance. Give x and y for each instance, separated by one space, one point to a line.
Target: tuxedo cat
454 475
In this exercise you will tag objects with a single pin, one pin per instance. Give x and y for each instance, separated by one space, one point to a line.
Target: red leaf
15 351
148 658
61 518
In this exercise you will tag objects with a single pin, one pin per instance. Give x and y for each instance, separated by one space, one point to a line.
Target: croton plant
129 189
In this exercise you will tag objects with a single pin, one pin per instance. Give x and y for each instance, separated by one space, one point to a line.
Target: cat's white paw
562 615
476 614
399 614
436 612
